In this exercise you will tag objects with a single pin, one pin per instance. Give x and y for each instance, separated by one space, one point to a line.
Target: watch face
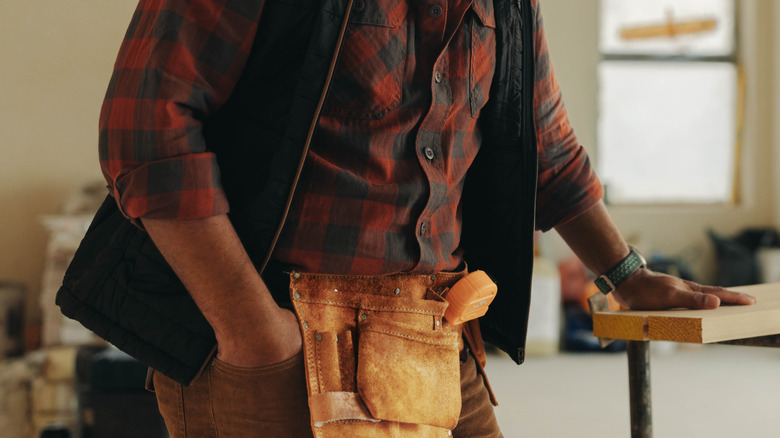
604 284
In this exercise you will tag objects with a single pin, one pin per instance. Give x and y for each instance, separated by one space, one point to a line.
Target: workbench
754 325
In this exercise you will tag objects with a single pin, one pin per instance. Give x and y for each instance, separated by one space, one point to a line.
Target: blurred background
676 102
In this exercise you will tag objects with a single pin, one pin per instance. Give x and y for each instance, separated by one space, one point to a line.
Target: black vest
119 285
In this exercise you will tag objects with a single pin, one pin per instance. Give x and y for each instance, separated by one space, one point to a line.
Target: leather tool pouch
380 360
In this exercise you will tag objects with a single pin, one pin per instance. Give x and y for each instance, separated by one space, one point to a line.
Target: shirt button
359 5
429 153
435 11
437 76
422 229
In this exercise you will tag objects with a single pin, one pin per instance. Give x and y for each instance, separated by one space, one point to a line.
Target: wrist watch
618 274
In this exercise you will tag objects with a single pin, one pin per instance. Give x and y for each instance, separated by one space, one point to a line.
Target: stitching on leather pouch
308 344
318 361
401 335
356 305
423 277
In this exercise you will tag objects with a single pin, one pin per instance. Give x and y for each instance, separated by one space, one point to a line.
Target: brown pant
228 401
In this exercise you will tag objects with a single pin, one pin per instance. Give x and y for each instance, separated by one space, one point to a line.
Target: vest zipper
310 134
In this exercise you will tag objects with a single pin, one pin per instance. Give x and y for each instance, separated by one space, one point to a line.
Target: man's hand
279 342
648 290
598 243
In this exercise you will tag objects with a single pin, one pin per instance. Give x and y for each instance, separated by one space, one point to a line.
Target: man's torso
381 189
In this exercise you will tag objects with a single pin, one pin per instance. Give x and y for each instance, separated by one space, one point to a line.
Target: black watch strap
618 274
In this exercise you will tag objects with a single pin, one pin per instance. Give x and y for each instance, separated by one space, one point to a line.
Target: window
668 101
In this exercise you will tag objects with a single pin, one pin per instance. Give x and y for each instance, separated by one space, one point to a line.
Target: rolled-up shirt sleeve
180 60
567 184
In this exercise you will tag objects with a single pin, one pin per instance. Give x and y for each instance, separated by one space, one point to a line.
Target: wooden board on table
698 326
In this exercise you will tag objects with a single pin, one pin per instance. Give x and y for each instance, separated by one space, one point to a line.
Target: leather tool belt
381 361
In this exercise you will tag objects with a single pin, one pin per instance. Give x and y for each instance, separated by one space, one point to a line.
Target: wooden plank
675 328
623 325
697 326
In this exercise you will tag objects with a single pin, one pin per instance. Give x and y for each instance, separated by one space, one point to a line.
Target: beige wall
572 31
776 113
56 60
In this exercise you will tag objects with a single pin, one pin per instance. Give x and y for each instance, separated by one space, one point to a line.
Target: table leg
639 389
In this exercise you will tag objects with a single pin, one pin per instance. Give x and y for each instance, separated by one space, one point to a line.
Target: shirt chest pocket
482 63
367 80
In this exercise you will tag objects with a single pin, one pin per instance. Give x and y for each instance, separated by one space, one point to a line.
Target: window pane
710 23
667 131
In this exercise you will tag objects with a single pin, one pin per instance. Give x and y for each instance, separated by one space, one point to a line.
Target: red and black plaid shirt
382 185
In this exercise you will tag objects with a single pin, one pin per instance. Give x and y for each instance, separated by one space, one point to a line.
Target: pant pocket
408 375
270 400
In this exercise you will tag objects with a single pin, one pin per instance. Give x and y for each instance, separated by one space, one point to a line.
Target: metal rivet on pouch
397 291
318 337
305 325
438 323
433 277
363 316
296 295
296 275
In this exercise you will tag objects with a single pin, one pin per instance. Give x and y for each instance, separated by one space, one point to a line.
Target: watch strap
620 272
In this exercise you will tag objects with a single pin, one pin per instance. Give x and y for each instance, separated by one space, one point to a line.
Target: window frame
732 58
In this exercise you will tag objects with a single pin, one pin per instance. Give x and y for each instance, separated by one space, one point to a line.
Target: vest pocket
409 375
367 80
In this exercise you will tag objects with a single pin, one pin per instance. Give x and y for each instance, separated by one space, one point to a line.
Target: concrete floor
698 391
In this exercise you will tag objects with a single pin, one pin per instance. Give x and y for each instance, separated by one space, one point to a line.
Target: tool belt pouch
374 360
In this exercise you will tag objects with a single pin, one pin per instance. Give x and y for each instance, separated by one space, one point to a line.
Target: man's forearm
211 262
595 239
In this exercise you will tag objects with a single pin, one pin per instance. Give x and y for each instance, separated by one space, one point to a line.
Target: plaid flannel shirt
381 189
